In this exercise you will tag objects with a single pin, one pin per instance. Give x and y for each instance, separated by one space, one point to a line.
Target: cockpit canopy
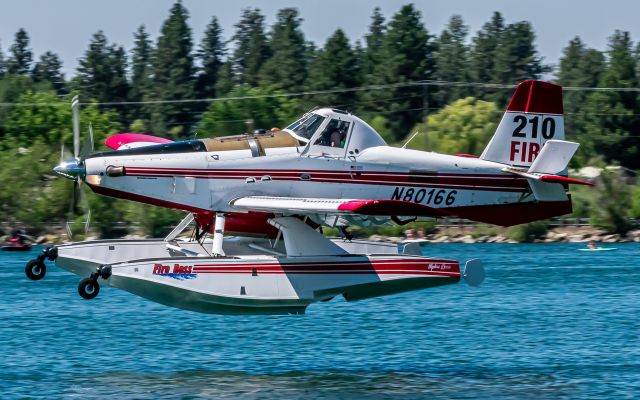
334 132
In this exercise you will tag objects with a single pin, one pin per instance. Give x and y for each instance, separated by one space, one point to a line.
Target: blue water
549 322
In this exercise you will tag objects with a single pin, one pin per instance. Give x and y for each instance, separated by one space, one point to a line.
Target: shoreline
564 234
463 234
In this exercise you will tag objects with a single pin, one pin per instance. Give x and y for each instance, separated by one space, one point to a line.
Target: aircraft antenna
410 139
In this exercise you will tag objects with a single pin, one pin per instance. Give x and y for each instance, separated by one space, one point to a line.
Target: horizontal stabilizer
546 178
397 208
554 157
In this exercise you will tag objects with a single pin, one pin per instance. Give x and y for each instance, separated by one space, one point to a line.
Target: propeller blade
75 109
71 212
87 145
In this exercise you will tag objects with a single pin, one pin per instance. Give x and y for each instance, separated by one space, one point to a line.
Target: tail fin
534 115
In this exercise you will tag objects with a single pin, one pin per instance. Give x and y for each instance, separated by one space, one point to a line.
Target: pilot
338 137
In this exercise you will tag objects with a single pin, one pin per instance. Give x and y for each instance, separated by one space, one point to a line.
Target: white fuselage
210 180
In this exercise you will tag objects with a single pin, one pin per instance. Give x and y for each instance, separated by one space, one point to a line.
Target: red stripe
462 181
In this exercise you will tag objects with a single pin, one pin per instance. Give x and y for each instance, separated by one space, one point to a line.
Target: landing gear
36 269
88 288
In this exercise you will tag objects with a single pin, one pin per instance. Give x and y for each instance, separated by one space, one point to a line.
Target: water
549 322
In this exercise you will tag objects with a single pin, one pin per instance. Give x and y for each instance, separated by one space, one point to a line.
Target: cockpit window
334 134
306 127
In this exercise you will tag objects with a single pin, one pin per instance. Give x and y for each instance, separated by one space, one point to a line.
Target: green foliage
336 66
464 126
228 117
611 200
405 55
286 68
20 58
611 119
153 221
48 70
251 47
174 73
634 211
102 72
429 226
527 233
210 54
452 60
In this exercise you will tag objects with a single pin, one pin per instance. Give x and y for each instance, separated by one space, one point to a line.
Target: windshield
306 126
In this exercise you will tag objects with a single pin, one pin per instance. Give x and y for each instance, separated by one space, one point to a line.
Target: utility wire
329 91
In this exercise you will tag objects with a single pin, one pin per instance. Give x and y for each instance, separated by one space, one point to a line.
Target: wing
299 205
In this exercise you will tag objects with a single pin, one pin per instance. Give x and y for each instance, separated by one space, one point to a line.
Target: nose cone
71 169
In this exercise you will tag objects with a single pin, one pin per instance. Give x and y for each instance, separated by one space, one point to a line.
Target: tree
335 67
287 67
374 40
406 56
451 60
610 118
20 59
2 64
610 203
211 51
227 117
48 70
516 59
251 49
483 52
141 73
464 126
101 74
174 73
579 67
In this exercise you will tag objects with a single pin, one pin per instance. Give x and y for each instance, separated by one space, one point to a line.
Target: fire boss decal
180 272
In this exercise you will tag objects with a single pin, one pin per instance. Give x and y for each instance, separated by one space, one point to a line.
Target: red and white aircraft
274 189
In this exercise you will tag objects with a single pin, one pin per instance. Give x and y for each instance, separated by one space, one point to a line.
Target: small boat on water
15 247
600 249
18 241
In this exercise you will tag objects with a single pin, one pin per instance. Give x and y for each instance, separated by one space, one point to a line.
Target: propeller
72 167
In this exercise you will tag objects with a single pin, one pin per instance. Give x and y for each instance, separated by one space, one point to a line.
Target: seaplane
259 201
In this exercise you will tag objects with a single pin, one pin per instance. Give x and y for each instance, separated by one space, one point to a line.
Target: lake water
549 322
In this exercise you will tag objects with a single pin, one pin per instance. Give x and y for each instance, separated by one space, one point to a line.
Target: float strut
218 236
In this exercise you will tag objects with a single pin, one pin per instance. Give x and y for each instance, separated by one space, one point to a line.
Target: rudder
534 115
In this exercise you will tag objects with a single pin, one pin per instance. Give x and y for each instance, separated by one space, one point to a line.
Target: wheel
35 270
88 288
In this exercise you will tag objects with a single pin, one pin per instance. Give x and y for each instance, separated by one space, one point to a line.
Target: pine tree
174 74
210 54
19 61
225 81
141 73
48 70
2 63
101 74
611 117
251 49
483 52
451 59
580 67
374 40
94 73
287 67
406 56
336 66
516 59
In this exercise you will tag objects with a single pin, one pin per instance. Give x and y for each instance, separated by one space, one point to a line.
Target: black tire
35 270
88 288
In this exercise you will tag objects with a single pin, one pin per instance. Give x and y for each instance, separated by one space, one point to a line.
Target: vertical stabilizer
534 115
